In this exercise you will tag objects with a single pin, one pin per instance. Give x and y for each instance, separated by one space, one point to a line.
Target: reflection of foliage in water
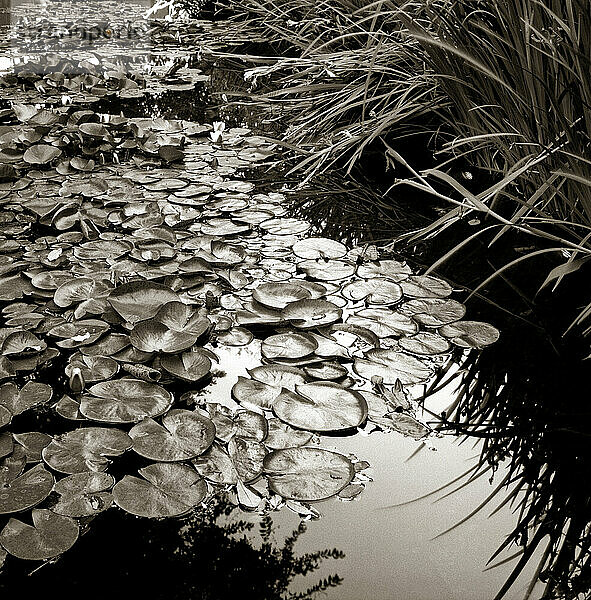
204 556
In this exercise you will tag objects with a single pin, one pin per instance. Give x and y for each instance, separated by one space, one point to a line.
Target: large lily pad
318 247
190 366
288 345
392 366
379 290
247 456
182 435
153 336
323 406
307 474
125 401
166 490
49 536
433 312
306 314
140 300
85 449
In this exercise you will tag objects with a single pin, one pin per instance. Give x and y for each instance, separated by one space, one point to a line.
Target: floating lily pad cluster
126 278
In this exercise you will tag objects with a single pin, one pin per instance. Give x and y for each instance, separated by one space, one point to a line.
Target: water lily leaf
255 394
257 314
470 334
125 401
182 435
216 466
326 371
50 280
13 287
392 269
425 343
404 424
190 366
285 226
323 406
328 347
425 286
12 466
306 314
392 366
79 333
108 345
81 289
83 494
41 154
22 343
92 368
247 456
153 336
288 345
85 449
167 490
384 322
18 401
50 536
32 443
244 423
26 491
140 300
278 295
6 444
433 312
69 408
237 336
280 376
182 317
7 369
307 474
379 290
327 270
319 247
281 435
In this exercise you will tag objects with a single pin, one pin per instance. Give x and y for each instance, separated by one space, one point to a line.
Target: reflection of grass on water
208 555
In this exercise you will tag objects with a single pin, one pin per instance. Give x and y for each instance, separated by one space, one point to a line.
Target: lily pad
392 366
85 449
425 343
306 314
255 394
384 322
281 435
425 286
125 401
166 490
153 336
83 494
470 334
140 300
41 154
190 366
327 270
49 536
307 474
318 247
288 345
182 435
322 407
379 290
278 295
26 491
433 312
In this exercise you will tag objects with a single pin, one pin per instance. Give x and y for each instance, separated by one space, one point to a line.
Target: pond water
158 187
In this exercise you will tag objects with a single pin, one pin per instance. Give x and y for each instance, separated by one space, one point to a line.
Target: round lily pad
307 474
282 435
247 456
306 314
166 490
140 300
327 270
26 491
278 376
433 312
83 494
379 290
252 393
153 336
392 365
190 366
41 154
323 406
85 449
288 345
49 536
384 322
182 435
470 334
425 286
278 295
319 247
425 343
125 401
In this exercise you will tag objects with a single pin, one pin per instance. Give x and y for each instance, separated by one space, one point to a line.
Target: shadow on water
205 556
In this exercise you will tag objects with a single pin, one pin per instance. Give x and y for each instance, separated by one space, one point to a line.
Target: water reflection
209 555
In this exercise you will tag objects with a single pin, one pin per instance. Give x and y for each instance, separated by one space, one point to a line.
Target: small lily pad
470 334
83 494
